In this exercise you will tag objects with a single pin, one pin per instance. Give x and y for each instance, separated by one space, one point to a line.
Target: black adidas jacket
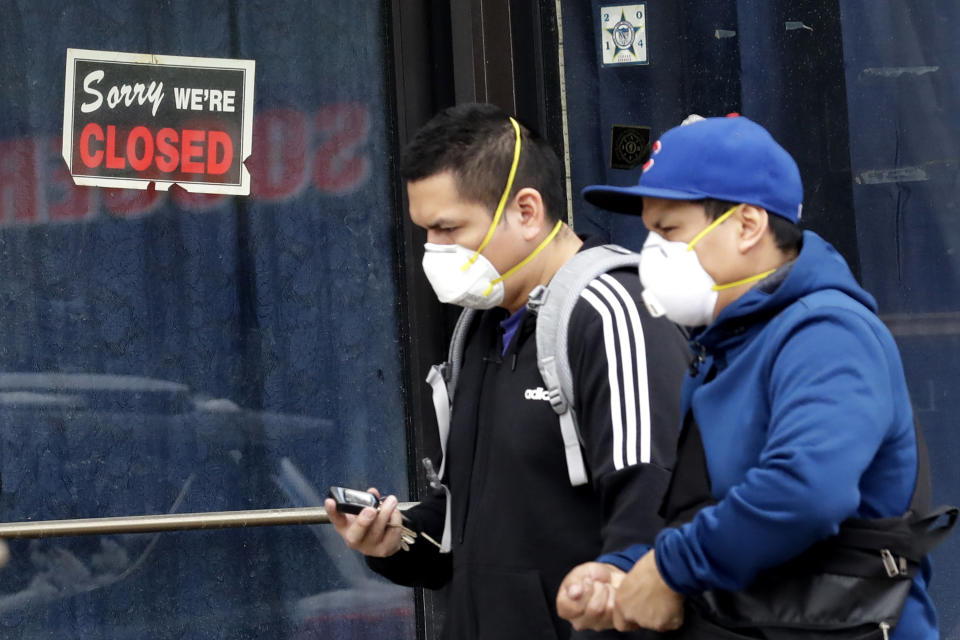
518 524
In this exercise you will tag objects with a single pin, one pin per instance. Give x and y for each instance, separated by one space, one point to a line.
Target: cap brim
630 199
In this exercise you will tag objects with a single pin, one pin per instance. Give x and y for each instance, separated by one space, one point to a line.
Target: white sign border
246 126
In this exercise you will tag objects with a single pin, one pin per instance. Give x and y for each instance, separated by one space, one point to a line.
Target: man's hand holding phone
374 530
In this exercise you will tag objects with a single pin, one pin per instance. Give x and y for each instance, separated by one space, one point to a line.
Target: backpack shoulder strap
443 377
554 305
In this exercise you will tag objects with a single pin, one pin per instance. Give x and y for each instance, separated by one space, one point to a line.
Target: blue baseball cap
731 158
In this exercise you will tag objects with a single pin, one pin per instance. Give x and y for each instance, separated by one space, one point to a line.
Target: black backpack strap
689 488
886 547
921 499
863 547
925 527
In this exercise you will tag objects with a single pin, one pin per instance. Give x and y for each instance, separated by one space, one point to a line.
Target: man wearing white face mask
488 192
799 504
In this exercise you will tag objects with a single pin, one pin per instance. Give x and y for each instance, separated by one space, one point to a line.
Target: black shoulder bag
851 586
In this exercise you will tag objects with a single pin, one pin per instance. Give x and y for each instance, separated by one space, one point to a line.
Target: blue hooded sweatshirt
806 423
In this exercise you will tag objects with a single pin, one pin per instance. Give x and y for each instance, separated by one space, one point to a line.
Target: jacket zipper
700 357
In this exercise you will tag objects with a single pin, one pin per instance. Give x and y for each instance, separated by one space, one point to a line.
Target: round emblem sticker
623 34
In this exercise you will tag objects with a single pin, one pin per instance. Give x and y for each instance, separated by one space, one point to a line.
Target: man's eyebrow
661 221
441 223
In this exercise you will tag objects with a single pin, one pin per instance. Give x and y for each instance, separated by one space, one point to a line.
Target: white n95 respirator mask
675 284
457 280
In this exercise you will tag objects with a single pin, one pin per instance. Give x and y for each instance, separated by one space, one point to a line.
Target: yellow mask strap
731 285
546 241
711 226
503 199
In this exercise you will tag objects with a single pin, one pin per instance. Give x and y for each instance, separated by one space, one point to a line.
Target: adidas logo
536 394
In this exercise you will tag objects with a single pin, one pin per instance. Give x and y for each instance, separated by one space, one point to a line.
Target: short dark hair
475 143
787 235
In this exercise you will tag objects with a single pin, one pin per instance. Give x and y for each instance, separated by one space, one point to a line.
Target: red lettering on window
198 202
286 156
278 165
339 166
66 200
132 203
18 187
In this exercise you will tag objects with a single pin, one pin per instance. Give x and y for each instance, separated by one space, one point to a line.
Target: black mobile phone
352 500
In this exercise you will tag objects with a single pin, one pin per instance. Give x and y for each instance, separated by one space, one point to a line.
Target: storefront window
173 352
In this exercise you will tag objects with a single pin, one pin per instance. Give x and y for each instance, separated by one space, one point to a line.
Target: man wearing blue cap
799 502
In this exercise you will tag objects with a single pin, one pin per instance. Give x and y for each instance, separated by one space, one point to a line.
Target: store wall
902 76
865 96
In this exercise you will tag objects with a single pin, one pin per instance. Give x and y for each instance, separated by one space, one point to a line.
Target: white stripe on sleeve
628 392
609 342
640 361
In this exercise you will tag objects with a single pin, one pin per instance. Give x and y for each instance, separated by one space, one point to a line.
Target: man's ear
754 225
533 215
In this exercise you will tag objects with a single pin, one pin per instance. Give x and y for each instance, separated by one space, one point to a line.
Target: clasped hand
600 596
586 595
